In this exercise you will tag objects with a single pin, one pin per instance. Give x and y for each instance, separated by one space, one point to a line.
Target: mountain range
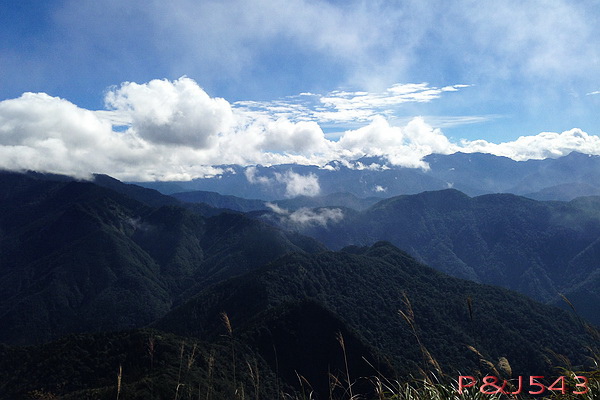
100 276
77 257
541 249
563 178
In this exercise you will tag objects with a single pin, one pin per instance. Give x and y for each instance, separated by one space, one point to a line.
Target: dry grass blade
227 323
474 350
119 377
340 339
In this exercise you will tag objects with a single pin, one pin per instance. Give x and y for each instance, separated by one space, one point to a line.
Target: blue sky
290 72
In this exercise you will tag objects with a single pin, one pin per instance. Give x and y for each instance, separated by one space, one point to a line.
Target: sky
155 90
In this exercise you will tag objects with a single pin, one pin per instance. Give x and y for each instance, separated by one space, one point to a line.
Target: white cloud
221 41
307 217
252 177
301 137
46 133
299 185
543 145
323 216
295 184
176 131
403 146
533 39
343 107
276 209
177 112
515 50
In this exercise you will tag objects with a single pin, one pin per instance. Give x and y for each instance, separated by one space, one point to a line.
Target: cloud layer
173 130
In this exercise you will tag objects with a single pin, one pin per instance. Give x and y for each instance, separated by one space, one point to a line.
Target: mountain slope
536 248
565 192
153 365
77 257
365 288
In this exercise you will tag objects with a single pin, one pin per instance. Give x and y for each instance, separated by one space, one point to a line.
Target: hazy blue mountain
336 178
565 192
478 173
572 168
473 174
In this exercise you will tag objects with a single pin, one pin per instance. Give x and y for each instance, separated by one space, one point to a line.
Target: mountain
473 173
233 301
289 306
565 192
572 168
536 248
77 257
478 173
217 200
272 183
286 323
153 197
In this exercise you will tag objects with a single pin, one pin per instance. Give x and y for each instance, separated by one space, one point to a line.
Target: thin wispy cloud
348 107
304 217
451 121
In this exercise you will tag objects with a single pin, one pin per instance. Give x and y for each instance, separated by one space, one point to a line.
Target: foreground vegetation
241 310
149 364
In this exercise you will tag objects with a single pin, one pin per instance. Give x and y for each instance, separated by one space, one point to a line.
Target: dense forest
112 290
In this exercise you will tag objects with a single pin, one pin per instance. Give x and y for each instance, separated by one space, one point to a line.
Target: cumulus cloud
304 217
165 130
173 130
522 55
403 146
302 137
45 133
177 112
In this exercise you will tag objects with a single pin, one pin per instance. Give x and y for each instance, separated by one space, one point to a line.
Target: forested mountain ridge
214 199
365 288
537 248
77 257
